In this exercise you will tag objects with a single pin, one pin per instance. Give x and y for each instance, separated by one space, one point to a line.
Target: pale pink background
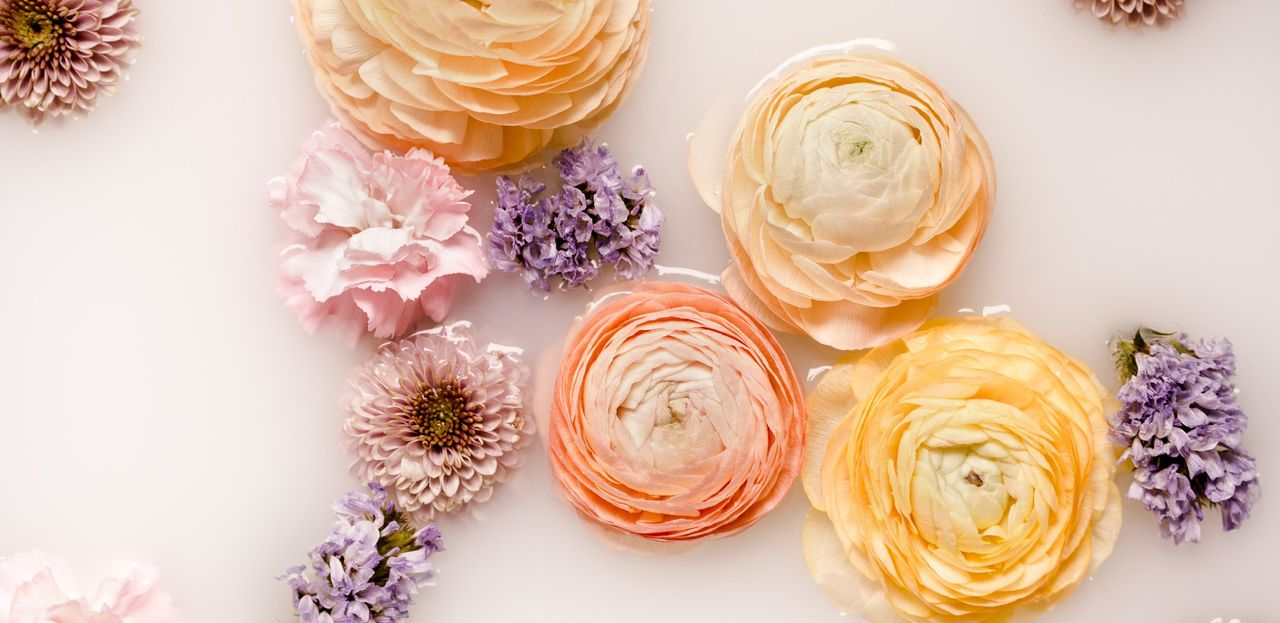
157 401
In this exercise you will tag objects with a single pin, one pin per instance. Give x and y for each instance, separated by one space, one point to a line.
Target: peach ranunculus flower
483 85
36 587
958 475
675 416
854 190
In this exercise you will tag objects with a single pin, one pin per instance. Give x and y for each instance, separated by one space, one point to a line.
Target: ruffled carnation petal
376 239
35 586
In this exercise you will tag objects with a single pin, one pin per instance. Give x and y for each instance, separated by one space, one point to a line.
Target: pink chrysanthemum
1133 12
379 239
437 420
58 56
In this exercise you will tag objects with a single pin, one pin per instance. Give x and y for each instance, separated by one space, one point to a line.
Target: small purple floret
597 217
369 567
1181 427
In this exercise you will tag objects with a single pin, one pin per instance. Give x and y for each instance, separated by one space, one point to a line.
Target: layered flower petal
481 84
37 587
854 190
676 416
58 56
437 420
378 239
961 474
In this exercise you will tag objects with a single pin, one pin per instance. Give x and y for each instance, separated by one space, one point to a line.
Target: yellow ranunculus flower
958 475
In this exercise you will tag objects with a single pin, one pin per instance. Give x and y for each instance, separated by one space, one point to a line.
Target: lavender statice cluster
596 217
368 568
1181 427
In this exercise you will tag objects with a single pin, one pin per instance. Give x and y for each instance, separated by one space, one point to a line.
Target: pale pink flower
57 57
438 420
36 587
380 239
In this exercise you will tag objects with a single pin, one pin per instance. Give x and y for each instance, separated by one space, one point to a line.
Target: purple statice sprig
595 218
1181 426
369 567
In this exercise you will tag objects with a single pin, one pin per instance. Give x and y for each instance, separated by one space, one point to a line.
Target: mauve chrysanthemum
58 56
437 419
1133 12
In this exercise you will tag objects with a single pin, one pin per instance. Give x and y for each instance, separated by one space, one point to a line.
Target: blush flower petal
378 239
854 190
481 84
35 586
961 474
676 416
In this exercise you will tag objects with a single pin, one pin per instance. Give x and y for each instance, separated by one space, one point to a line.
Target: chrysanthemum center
442 415
32 29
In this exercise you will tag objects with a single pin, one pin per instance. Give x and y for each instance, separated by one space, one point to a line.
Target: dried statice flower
58 56
369 567
1132 12
1181 427
596 217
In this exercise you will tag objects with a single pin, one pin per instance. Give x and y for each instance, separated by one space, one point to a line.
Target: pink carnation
380 240
37 587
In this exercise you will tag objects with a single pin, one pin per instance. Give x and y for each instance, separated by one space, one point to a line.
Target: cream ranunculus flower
958 475
481 84
854 190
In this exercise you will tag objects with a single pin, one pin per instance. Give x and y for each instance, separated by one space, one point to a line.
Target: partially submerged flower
854 191
58 57
483 85
437 420
1132 12
37 587
1180 425
960 474
369 567
379 240
675 417
596 218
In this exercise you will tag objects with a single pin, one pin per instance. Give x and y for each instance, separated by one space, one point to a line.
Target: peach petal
675 416
853 191
483 86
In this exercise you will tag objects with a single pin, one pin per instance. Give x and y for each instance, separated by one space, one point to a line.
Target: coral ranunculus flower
481 84
854 190
675 416
959 475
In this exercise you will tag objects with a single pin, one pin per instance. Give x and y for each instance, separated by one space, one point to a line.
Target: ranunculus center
32 28
968 481
671 417
854 146
443 416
